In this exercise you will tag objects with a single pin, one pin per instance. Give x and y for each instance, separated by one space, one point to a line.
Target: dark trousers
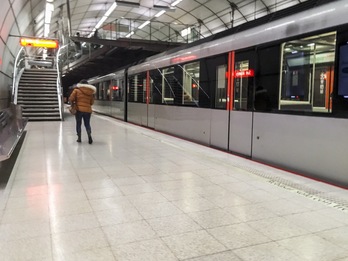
86 116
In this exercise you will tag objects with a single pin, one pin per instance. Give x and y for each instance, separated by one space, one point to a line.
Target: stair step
28 92
24 95
38 75
39 105
37 95
29 111
33 103
40 88
39 83
38 101
44 119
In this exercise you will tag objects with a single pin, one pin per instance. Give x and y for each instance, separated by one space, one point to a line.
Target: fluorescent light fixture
294 52
176 2
48 12
311 44
111 9
49 7
185 32
144 24
160 13
131 33
128 4
48 15
101 21
164 7
46 30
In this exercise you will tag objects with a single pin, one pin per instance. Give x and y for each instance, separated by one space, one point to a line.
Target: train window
243 82
190 87
307 67
137 89
267 83
221 86
156 86
116 90
103 91
168 85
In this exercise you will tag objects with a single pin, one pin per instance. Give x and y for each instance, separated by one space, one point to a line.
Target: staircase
37 94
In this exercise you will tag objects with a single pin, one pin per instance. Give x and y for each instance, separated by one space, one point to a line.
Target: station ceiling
207 17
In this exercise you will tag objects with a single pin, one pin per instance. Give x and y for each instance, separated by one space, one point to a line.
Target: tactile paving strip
300 189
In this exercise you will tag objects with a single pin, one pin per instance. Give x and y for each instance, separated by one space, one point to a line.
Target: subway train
276 93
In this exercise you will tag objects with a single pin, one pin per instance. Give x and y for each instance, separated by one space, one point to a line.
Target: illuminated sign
36 42
244 73
115 88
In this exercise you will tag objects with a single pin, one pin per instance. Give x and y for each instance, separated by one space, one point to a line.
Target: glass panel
168 82
307 70
221 86
136 88
241 84
156 87
190 94
116 90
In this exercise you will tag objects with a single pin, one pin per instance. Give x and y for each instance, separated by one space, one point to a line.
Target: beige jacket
83 95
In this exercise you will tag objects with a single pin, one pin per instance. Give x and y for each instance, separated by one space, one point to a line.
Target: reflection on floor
140 195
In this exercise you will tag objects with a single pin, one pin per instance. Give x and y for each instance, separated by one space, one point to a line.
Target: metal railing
59 84
23 61
153 30
18 69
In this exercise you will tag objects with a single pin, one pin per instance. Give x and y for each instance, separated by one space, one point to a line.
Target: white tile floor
140 195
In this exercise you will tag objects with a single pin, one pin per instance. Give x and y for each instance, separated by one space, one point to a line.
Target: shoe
78 138
90 140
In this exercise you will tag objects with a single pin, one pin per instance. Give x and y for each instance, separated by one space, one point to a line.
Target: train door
243 80
240 126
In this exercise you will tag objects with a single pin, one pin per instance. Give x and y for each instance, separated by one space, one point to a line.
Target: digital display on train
343 71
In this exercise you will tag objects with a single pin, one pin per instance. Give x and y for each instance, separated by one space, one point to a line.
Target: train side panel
137 113
240 132
308 145
189 123
151 116
219 129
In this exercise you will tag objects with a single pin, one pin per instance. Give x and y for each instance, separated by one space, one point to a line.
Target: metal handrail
15 74
59 84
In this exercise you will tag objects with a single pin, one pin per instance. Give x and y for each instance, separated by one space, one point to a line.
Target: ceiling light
128 4
131 33
144 24
46 30
101 21
111 9
165 7
160 13
176 2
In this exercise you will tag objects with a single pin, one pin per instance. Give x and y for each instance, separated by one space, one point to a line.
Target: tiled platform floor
140 195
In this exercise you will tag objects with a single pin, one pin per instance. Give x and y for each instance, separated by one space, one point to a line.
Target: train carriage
276 93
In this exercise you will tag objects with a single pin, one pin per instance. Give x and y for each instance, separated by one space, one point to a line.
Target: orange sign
36 42
244 73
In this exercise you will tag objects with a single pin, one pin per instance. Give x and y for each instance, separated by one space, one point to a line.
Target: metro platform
137 194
